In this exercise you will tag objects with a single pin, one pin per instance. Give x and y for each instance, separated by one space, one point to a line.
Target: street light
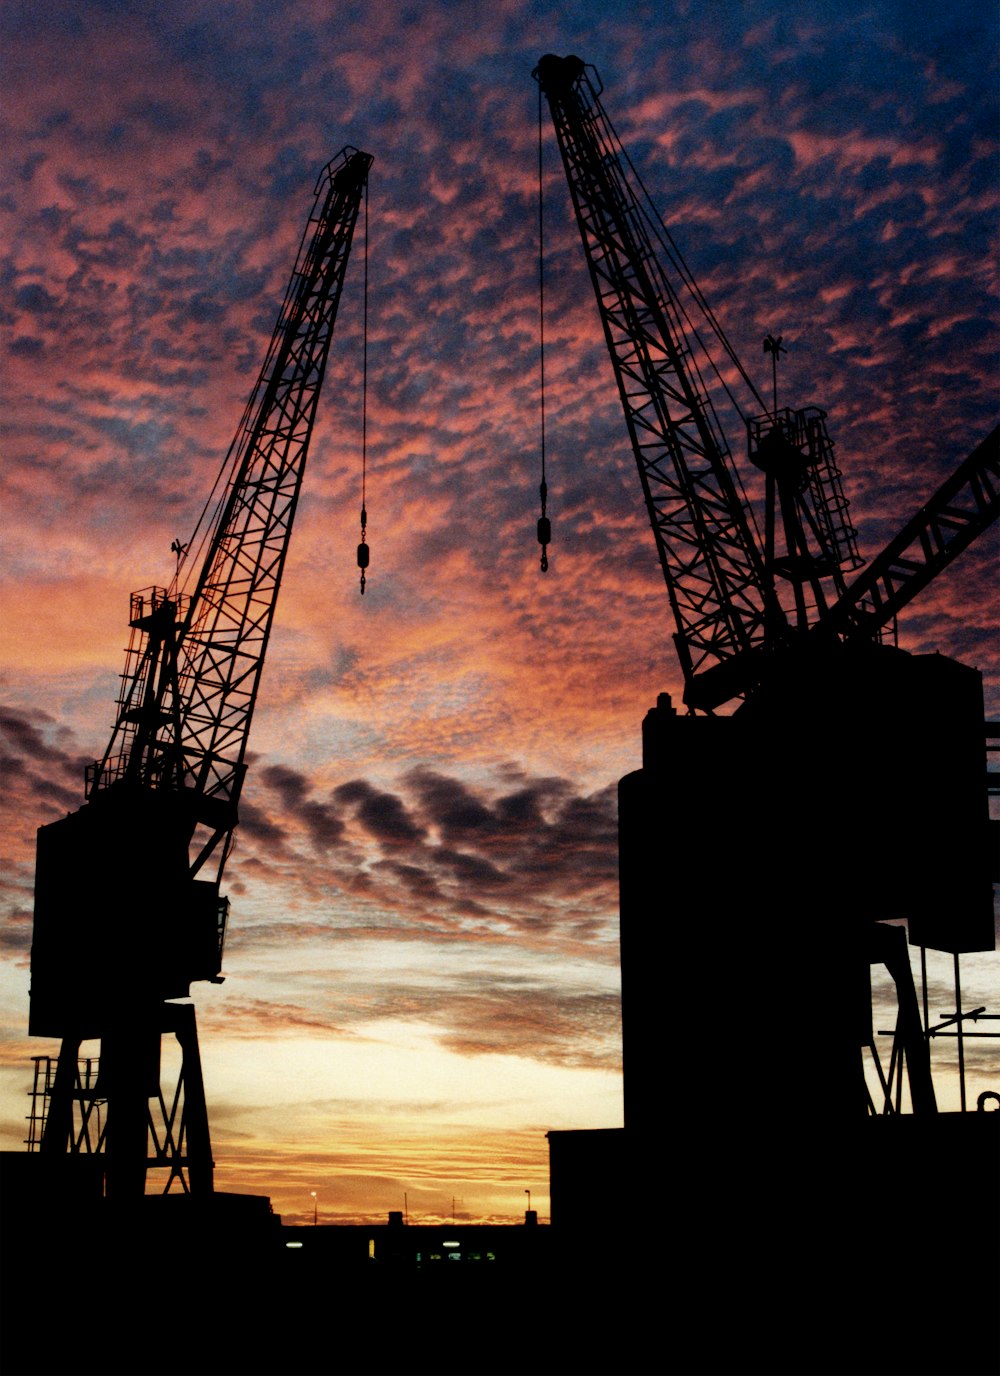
315 1206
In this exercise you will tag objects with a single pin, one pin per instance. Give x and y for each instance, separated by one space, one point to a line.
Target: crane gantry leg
120 1107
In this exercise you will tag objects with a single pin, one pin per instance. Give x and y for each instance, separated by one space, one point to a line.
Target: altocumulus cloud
539 859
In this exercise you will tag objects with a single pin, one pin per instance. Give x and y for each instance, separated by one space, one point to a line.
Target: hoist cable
673 253
363 546
364 370
654 221
544 525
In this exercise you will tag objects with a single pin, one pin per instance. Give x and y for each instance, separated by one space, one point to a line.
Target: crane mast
123 923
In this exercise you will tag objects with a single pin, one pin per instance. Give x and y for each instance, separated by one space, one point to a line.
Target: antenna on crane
774 347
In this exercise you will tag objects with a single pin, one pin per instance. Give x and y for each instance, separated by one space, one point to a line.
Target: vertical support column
129 1077
959 1031
889 947
57 1136
194 1121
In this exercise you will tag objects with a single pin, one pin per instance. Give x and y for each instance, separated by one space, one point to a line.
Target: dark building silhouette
758 853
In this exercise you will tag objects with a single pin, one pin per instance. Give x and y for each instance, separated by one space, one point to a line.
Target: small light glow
451 1244
293 1244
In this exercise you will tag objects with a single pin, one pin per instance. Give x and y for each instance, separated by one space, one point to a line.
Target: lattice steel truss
716 581
189 693
964 506
110 967
721 579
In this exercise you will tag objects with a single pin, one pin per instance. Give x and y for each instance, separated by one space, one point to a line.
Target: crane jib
722 579
718 587
191 684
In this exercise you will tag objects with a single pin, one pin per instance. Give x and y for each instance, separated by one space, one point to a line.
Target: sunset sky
422 970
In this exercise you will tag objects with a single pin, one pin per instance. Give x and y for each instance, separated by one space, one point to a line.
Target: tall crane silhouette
128 908
836 748
823 788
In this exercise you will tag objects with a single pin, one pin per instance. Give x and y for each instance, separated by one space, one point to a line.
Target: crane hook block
544 526
544 537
